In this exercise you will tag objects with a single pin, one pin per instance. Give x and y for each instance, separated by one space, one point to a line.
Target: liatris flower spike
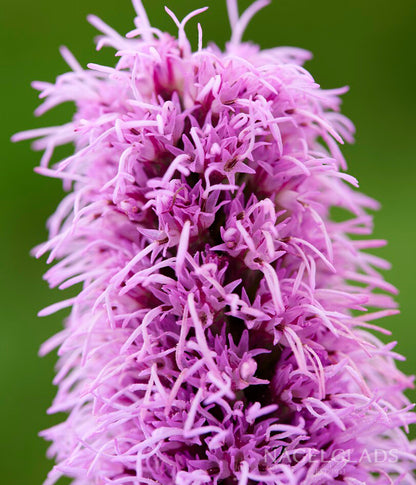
221 334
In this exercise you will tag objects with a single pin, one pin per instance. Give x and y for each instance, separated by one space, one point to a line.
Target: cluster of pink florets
219 335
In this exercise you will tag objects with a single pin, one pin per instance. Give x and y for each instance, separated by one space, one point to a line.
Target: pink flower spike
223 330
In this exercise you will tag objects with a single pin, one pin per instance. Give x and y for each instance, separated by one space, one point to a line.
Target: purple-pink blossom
223 328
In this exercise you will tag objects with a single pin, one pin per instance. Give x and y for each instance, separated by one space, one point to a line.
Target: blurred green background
366 44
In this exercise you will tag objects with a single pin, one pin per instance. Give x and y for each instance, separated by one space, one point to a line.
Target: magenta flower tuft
221 332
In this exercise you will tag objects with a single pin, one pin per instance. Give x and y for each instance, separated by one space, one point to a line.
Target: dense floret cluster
221 331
